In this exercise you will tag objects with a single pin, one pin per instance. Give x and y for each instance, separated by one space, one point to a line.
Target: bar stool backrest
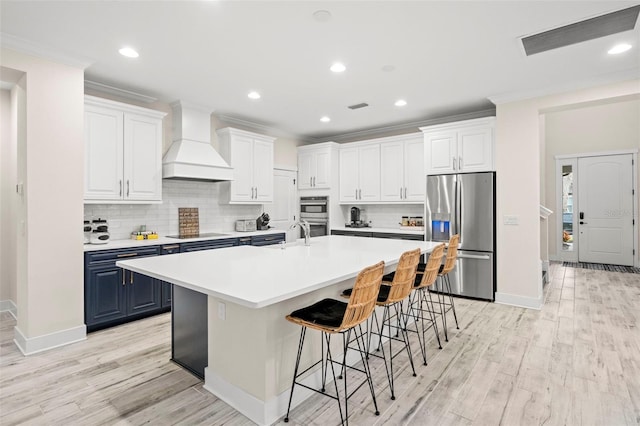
404 277
433 267
364 295
452 254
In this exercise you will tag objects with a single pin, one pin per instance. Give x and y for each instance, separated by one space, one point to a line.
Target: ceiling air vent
358 106
589 29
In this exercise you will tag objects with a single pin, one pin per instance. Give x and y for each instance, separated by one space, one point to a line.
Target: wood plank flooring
575 362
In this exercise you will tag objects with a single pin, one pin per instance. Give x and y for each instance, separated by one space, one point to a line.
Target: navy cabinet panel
266 240
167 289
106 297
144 293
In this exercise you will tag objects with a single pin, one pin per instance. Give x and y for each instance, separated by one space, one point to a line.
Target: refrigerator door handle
473 256
459 207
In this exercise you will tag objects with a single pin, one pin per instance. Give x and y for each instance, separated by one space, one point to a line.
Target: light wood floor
577 361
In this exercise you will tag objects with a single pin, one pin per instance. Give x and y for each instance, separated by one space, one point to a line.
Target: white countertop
256 277
397 230
162 240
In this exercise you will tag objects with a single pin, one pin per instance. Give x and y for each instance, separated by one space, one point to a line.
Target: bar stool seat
336 317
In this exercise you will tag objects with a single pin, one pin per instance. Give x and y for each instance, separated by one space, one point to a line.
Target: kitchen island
251 348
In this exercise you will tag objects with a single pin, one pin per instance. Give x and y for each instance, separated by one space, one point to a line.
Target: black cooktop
205 235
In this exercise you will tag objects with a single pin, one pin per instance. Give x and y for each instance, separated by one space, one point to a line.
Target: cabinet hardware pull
310 181
400 192
127 187
405 192
124 274
360 194
314 181
256 192
131 277
459 163
356 194
127 255
170 247
120 187
453 163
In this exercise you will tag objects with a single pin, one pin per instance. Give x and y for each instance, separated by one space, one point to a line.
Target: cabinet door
414 174
143 293
440 152
349 175
103 136
105 295
475 149
306 164
369 173
142 158
242 163
167 289
263 171
392 171
322 176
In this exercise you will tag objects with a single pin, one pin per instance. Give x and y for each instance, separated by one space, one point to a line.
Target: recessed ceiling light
338 67
325 119
129 52
388 68
254 95
400 103
619 48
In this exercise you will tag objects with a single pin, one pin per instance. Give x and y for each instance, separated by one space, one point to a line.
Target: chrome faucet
306 230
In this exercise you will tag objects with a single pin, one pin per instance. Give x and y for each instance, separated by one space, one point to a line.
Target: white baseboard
520 301
266 412
33 345
10 306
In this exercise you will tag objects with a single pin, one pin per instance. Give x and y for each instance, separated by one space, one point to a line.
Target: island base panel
189 333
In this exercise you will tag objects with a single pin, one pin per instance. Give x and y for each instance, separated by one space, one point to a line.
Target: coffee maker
356 220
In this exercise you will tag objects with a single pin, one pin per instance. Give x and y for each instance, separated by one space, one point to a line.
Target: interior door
605 209
284 212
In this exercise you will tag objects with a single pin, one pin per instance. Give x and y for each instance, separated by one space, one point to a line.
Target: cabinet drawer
265 240
105 256
365 234
208 245
398 236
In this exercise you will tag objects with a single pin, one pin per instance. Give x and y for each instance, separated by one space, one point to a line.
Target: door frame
290 234
572 159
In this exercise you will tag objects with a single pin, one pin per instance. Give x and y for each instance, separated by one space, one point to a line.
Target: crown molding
603 79
402 128
12 42
262 128
122 93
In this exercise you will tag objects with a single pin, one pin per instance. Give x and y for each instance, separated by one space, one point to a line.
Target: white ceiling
449 57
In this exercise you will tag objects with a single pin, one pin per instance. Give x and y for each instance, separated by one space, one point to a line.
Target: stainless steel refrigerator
465 204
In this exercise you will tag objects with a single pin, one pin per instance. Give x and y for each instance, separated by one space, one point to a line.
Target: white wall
518 147
599 127
50 163
8 166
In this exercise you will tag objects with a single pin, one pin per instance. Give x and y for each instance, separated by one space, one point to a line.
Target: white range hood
191 155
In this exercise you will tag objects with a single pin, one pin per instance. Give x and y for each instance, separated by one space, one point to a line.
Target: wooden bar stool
444 284
335 317
422 308
392 294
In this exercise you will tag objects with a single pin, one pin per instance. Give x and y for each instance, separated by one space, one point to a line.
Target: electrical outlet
222 311
511 220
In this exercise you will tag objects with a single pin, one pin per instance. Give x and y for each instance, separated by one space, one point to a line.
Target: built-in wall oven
315 210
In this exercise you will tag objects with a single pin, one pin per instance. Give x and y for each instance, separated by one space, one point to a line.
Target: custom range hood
191 155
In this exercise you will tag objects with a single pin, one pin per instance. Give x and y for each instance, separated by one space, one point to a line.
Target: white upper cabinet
360 173
460 147
402 170
315 164
251 156
123 153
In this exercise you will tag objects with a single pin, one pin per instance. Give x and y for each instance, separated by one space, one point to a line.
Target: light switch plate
222 311
511 220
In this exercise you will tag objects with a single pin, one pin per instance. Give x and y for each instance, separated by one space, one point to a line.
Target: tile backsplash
163 218
385 215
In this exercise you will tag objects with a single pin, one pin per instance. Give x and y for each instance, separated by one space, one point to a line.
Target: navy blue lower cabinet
105 295
167 290
267 240
144 294
114 296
